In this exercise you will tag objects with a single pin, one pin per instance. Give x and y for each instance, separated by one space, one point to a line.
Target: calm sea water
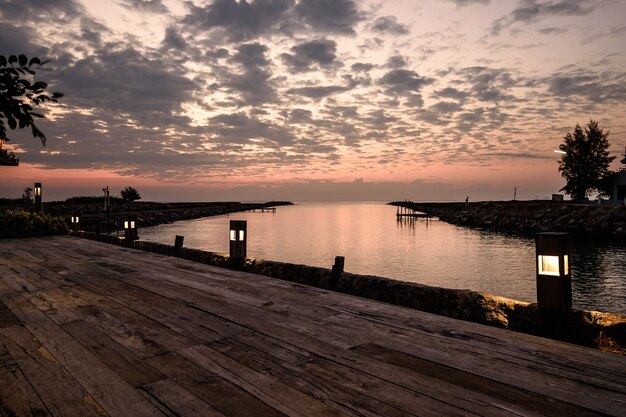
434 253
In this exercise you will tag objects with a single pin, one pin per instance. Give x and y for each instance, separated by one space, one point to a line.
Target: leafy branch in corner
20 93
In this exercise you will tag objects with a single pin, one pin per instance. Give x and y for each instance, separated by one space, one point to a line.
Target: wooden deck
90 329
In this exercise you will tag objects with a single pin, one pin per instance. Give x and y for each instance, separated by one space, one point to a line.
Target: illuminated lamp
554 283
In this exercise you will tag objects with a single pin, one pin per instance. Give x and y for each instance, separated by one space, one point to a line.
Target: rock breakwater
152 214
580 220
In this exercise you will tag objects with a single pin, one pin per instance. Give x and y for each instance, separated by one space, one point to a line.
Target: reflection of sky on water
437 253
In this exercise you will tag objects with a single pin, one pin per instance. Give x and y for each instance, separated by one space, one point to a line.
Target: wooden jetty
265 209
406 212
90 329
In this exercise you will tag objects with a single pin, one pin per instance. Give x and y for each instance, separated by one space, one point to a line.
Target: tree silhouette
586 160
19 93
130 194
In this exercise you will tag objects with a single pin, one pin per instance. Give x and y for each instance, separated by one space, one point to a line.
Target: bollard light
38 197
554 283
75 222
237 237
130 229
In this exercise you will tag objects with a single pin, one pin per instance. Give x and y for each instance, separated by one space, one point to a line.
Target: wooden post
178 244
337 270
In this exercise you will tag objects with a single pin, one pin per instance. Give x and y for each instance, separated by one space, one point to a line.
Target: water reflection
598 276
433 253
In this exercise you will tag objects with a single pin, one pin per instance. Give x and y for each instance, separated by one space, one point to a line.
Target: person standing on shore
466 200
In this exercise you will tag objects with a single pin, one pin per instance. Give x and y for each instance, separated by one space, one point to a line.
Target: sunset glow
314 99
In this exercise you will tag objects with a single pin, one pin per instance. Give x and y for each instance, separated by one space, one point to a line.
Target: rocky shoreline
530 217
152 214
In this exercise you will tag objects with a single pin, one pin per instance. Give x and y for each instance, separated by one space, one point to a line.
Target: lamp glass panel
549 265
241 235
233 235
132 224
37 191
566 260
126 225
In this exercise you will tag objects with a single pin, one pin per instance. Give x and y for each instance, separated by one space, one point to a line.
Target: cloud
22 11
389 24
450 92
124 81
362 67
489 84
333 16
319 53
552 30
317 92
240 20
173 40
529 11
16 40
396 61
152 6
241 128
254 84
463 3
248 20
596 87
403 82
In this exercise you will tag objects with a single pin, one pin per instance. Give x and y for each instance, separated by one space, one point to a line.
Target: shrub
28 224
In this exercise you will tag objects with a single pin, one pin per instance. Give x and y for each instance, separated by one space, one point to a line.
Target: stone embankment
152 214
581 220
603 331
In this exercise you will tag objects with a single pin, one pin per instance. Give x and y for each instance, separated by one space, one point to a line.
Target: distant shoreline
152 214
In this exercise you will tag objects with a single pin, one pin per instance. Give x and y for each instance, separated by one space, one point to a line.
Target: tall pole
107 207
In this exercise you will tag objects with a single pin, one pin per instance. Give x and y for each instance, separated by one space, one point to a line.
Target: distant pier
410 213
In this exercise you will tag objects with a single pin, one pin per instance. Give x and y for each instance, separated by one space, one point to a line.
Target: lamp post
554 281
238 237
38 197
107 208
130 229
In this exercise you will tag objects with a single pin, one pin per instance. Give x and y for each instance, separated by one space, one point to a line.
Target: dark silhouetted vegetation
586 160
92 200
130 194
19 93
17 224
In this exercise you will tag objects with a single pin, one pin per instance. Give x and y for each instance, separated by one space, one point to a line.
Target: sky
314 100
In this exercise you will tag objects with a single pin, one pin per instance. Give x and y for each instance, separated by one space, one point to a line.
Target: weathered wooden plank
174 401
222 395
17 396
103 385
280 396
502 393
120 360
354 382
6 317
140 335
61 394
51 308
